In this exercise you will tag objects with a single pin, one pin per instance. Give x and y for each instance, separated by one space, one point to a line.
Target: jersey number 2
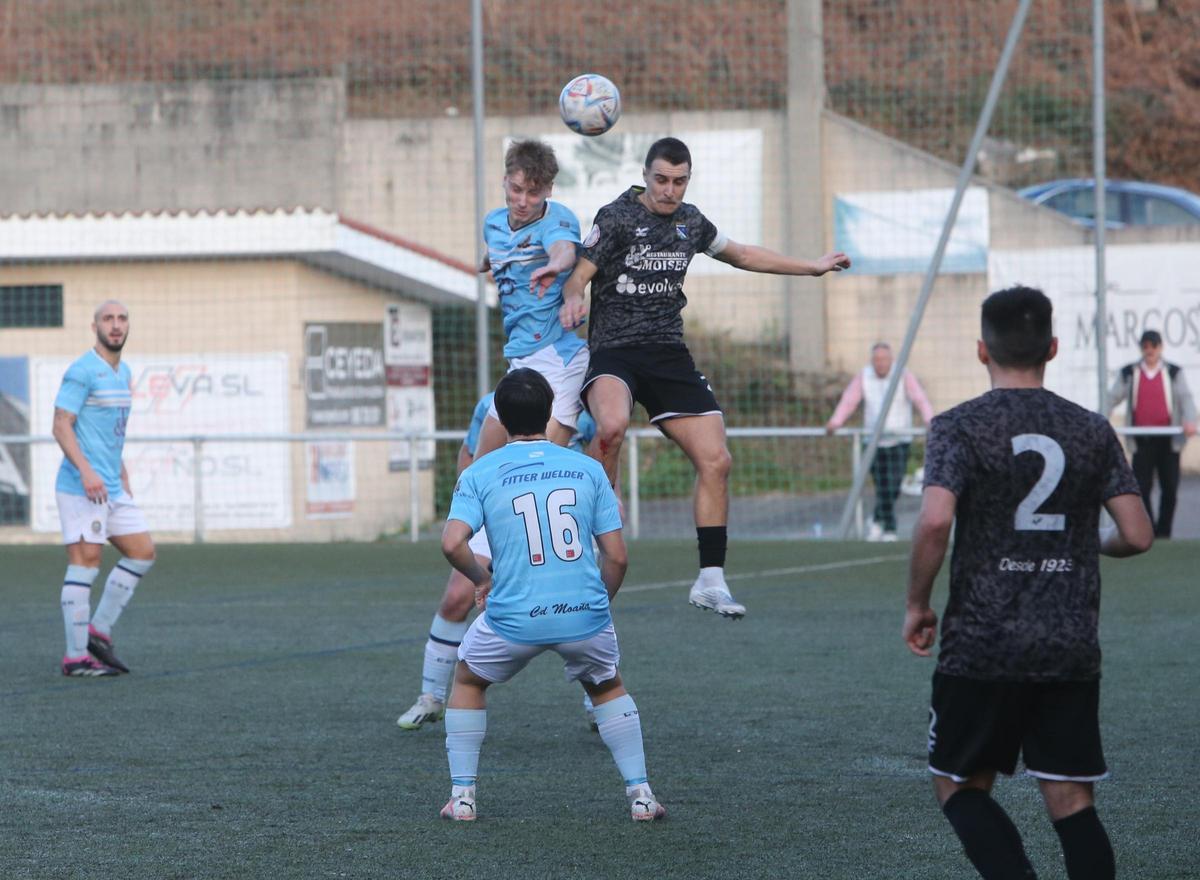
1027 518
564 530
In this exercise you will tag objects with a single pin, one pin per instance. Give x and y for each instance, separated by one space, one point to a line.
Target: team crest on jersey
593 236
95 527
681 230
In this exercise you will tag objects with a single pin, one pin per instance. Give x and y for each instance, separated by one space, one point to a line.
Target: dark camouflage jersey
641 259
1031 471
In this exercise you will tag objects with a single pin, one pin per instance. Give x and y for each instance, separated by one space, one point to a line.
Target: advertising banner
1150 287
329 480
344 375
244 485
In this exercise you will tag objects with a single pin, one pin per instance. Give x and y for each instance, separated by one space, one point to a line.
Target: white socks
441 653
118 590
621 729
465 729
77 608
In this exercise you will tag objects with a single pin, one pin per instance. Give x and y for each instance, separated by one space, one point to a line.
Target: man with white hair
891 456
95 503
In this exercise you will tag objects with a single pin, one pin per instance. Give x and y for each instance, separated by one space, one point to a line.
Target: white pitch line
770 572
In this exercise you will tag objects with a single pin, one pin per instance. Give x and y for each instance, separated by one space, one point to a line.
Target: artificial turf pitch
256 737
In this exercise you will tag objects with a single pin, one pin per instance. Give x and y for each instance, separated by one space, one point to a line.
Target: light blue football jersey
541 505
531 323
477 417
100 398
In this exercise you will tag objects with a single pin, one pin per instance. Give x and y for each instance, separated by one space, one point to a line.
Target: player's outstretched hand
481 594
834 262
573 312
541 279
920 630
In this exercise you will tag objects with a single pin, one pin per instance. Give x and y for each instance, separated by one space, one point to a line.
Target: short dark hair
672 149
523 402
535 159
1017 327
1151 336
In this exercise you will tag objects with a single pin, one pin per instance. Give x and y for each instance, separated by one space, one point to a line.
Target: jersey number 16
564 530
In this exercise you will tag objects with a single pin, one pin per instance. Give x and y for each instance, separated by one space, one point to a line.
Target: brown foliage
916 69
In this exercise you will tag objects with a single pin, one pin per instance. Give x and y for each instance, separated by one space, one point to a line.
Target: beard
111 346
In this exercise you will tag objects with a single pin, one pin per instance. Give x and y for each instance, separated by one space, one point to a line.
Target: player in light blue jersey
450 622
531 249
94 501
542 505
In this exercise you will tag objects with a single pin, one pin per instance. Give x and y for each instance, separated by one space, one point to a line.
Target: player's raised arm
1134 532
575 308
562 259
931 537
755 258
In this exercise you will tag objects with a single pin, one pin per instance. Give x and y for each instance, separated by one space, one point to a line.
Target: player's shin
989 838
465 729
1086 847
76 607
118 590
620 727
441 654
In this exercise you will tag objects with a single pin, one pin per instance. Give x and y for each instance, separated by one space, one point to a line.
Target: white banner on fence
329 477
245 485
410 409
594 171
1150 287
898 230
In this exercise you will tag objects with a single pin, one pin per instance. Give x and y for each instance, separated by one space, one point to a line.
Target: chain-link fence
282 194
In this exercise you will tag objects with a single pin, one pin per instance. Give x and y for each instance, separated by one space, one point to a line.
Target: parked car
1127 202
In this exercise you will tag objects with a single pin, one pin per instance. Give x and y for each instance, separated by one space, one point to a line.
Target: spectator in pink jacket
891 458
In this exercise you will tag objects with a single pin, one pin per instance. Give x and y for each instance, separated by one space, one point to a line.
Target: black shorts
983 725
662 378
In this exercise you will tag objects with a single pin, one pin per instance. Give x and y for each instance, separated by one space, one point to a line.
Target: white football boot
642 805
461 806
426 710
713 595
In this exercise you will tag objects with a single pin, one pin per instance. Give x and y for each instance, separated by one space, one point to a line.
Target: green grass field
257 738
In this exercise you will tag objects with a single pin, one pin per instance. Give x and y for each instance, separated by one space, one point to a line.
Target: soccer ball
590 104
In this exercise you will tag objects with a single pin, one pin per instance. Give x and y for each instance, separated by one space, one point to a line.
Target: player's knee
717 465
610 436
458 602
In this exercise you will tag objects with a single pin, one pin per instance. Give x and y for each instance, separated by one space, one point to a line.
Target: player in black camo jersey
1025 472
635 258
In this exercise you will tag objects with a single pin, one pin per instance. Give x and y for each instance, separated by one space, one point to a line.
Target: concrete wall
242 307
170 146
864 309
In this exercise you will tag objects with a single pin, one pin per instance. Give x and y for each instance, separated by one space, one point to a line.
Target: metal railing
634 440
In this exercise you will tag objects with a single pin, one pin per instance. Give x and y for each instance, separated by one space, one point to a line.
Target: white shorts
494 658
479 543
566 380
85 520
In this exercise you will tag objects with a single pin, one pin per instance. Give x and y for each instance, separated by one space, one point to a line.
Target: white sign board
1150 287
246 485
410 409
726 185
329 479
898 230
